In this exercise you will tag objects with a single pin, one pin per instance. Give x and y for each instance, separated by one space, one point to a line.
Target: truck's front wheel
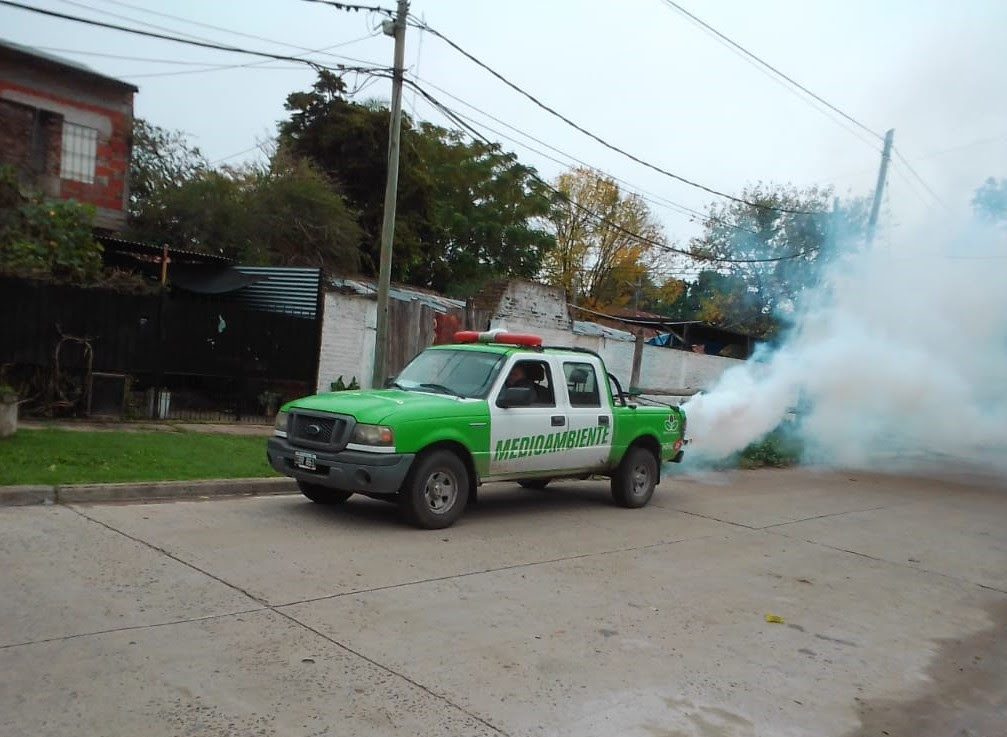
634 480
436 491
322 495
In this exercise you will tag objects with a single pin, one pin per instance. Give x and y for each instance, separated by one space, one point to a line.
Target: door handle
602 419
558 420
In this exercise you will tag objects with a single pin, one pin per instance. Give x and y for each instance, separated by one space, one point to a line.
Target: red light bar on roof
496 336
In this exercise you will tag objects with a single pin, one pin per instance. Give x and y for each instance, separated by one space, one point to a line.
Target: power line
146 59
215 68
256 147
347 6
552 111
241 34
675 6
458 120
657 199
909 167
145 24
970 144
176 39
206 66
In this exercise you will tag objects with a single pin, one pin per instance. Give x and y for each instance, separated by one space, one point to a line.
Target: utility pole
397 29
573 296
636 294
879 190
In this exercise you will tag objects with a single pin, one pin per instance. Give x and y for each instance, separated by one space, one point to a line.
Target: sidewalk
216 428
147 490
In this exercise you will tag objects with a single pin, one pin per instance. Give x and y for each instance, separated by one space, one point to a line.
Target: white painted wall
348 327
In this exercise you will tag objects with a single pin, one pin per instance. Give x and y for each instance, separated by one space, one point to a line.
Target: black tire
533 483
634 480
322 495
436 491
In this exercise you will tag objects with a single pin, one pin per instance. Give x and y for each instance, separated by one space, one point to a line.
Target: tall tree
466 212
604 240
488 212
773 249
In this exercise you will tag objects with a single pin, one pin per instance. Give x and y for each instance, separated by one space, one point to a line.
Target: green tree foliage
487 213
45 238
762 258
989 202
466 212
160 160
602 254
287 213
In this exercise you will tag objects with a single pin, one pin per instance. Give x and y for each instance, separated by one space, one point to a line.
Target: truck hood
380 405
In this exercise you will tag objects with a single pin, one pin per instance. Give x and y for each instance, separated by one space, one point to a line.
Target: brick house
67 130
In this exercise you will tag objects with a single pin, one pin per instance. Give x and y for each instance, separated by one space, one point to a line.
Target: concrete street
541 613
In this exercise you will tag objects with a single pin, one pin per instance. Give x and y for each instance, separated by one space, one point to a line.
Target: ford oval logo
313 430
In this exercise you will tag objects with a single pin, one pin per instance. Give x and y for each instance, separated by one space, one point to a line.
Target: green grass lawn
81 457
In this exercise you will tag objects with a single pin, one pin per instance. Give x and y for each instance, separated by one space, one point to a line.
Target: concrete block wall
538 305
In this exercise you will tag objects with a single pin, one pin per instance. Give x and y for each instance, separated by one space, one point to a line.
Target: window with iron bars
80 153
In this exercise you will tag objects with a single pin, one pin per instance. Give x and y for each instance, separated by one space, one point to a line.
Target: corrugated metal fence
292 291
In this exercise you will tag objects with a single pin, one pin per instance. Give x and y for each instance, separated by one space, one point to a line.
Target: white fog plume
901 355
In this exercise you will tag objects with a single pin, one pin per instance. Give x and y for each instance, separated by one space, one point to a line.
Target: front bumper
347 470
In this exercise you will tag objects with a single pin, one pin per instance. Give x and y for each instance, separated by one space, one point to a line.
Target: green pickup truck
490 407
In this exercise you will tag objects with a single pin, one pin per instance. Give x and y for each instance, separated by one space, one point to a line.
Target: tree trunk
8 417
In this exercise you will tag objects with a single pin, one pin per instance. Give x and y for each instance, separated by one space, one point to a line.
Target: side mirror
516 396
389 381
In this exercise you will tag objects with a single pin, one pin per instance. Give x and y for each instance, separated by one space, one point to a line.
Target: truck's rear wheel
322 495
436 491
533 483
634 480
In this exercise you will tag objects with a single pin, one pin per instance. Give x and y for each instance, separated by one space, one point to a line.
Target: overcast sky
635 72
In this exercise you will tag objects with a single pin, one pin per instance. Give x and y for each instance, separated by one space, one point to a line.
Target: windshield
460 373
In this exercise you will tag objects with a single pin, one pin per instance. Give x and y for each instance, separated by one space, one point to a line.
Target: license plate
305 460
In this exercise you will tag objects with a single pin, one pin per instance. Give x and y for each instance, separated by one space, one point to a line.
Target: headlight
280 424
378 435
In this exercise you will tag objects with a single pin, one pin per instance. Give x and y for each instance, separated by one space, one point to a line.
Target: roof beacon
497 336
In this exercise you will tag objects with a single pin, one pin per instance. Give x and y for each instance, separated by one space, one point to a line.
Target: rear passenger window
581 384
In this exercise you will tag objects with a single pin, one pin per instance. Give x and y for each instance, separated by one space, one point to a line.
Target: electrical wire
145 24
215 68
146 59
462 123
642 193
176 39
552 111
959 147
754 58
256 147
911 170
347 6
241 34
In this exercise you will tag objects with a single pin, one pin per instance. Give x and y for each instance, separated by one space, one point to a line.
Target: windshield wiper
397 385
442 389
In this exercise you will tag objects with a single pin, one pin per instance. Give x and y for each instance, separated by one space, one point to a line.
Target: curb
11 496
21 496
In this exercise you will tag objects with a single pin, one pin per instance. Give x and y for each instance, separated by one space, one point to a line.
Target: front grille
318 430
